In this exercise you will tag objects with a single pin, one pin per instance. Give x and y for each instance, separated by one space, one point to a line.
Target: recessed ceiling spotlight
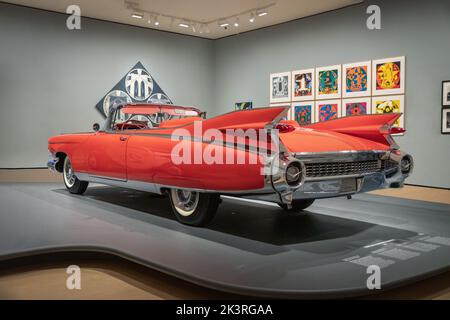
183 25
236 23
156 21
137 15
262 13
252 17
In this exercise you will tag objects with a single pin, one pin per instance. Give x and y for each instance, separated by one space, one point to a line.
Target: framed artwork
445 121
355 106
390 104
446 93
388 76
280 87
303 112
328 82
356 79
243 105
328 110
303 84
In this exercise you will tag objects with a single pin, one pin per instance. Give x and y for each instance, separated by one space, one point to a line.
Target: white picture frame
446 93
399 62
320 103
345 102
280 87
303 103
401 108
353 91
336 82
298 84
445 129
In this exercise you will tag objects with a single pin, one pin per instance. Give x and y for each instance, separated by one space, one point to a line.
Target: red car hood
310 140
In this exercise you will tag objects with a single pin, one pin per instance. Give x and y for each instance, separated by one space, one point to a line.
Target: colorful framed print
243 105
445 121
390 104
303 84
303 112
356 107
328 82
388 76
328 110
446 93
357 79
280 87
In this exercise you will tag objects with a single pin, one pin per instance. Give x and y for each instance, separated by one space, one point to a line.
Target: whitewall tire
192 207
71 182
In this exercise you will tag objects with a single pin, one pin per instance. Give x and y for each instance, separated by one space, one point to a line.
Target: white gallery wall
51 78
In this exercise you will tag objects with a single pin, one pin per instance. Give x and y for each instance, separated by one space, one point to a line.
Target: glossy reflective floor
250 248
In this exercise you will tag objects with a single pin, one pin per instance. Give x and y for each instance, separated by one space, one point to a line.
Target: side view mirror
96 127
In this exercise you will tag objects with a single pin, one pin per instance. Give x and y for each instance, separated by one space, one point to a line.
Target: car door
106 155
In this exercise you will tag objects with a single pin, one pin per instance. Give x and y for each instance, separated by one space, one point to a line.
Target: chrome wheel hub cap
69 177
185 202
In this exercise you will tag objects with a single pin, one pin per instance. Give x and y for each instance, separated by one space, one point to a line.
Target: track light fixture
262 13
201 27
137 15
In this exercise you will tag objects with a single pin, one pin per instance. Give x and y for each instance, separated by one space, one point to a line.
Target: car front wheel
298 205
72 183
194 208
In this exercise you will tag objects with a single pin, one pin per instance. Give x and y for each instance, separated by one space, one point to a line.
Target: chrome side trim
158 188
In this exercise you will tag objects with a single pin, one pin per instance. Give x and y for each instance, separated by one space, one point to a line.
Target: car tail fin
377 127
258 118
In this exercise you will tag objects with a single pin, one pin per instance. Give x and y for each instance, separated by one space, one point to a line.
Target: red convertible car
161 149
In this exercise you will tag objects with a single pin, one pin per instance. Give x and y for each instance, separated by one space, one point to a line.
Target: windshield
140 118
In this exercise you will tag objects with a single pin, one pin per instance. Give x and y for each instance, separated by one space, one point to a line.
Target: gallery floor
336 234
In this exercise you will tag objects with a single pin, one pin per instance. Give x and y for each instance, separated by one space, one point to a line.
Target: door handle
123 138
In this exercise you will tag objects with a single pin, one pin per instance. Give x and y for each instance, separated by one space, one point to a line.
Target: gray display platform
250 248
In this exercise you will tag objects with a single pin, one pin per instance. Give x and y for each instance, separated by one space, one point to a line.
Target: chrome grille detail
332 169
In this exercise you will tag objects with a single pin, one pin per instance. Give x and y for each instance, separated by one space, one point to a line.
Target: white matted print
328 82
356 107
303 112
445 121
390 104
446 93
328 110
280 87
303 84
388 76
357 79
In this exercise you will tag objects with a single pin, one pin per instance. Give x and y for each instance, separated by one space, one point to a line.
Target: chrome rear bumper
343 185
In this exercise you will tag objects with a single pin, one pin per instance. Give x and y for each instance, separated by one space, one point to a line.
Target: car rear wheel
194 208
72 183
298 205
